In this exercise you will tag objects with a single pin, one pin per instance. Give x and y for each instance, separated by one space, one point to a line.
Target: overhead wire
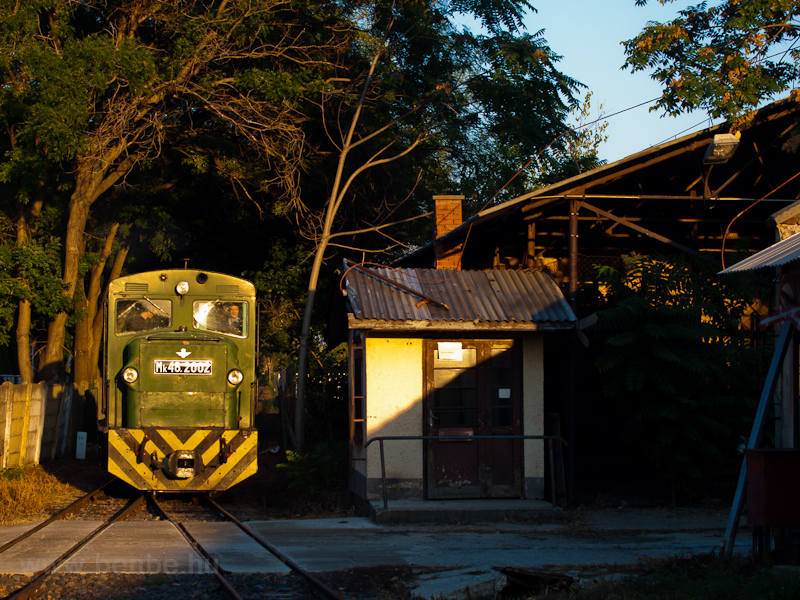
567 132
601 118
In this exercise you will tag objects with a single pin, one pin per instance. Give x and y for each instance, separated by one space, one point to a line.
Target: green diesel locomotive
177 412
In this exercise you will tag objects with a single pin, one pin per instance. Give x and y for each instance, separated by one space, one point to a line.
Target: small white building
456 357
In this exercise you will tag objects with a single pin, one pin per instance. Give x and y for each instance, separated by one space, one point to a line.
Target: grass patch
704 577
27 492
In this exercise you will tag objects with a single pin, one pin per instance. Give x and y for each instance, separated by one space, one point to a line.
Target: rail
31 589
318 586
548 438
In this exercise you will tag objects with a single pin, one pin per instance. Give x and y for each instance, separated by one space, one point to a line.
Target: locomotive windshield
143 314
220 316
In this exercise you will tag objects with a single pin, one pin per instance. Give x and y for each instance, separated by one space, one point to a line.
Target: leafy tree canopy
118 115
724 57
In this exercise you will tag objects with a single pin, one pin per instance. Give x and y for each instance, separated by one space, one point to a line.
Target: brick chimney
448 217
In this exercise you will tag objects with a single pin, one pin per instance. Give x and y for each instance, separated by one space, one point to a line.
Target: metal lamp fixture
721 149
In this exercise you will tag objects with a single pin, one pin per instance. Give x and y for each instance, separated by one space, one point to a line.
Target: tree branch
378 227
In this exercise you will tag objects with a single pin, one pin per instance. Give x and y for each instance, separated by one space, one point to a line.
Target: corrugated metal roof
529 299
776 255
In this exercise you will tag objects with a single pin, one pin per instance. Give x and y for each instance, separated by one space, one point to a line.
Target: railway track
31 589
319 588
179 513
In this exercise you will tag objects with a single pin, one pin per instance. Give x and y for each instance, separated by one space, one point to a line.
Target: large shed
768 476
680 196
455 357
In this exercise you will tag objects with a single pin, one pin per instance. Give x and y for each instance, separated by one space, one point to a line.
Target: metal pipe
381 439
383 477
552 472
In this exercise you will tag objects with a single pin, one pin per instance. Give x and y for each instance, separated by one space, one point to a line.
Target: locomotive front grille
179 460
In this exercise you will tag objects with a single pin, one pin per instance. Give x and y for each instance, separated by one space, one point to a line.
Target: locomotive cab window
144 314
220 317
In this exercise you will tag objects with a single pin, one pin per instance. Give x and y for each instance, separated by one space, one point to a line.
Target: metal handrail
548 438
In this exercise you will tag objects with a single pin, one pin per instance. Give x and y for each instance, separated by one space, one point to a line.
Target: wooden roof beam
530 207
651 234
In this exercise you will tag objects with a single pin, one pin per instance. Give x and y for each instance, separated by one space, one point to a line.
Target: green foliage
322 467
13 474
61 82
676 362
280 287
578 152
38 268
28 272
724 58
504 78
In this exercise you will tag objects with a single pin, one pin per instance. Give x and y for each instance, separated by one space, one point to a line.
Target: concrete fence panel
24 413
30 415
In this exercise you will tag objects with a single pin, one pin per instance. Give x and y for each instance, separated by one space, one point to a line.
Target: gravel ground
118 586
367 584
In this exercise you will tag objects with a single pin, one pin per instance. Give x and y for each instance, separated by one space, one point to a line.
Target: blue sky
588 35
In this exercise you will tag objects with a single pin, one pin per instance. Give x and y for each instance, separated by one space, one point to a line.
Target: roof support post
572 296
572 391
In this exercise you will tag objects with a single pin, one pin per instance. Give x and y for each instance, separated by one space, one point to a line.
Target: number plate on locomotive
182 367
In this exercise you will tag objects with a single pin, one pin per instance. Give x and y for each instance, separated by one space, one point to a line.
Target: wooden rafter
649 233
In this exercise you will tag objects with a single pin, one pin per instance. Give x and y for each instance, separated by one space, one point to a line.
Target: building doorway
473 388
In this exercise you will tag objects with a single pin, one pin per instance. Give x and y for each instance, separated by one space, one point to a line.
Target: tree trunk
81 345
23 330
302 357
91 180
52 366
88 304
97 325
338 191
302 369
23 338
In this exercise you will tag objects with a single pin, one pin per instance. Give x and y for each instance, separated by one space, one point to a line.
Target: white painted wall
394 405
533 404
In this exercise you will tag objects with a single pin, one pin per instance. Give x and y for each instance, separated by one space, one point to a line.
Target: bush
677 364
322 467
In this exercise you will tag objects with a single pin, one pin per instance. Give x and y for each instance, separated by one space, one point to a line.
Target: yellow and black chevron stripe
222 457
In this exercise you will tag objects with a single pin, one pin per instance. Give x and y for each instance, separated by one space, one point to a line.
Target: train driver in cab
148 319
231 319
134 316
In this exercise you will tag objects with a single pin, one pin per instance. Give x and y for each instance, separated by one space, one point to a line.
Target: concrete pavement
463 555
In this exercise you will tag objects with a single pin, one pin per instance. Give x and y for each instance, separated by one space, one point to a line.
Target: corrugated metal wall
30 415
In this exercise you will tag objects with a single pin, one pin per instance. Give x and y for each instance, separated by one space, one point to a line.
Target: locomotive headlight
235 376
182 288
130 374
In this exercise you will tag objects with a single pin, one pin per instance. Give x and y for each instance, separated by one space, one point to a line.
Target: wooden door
473 388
